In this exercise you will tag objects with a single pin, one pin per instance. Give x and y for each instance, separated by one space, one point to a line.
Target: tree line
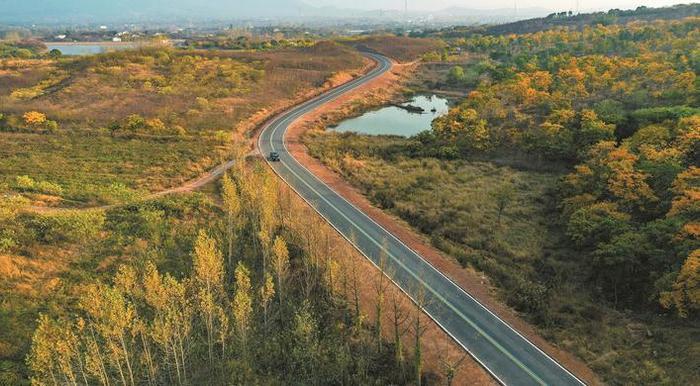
618 105
262 299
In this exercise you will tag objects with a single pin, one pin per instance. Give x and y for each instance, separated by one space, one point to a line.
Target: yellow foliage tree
242 302
209 278
685 295
280 262
34 118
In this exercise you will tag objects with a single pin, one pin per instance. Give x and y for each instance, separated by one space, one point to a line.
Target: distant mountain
613 16
98 11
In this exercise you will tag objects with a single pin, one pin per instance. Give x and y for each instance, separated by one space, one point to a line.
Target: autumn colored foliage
191 314
620 104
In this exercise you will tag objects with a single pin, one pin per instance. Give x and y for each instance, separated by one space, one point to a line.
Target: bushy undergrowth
499 216
181 290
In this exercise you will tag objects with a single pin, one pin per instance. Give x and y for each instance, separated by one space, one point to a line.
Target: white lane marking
277 123
359 249
332 95
399 262
441 273
420 280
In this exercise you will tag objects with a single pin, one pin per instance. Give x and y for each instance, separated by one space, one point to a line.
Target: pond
395 120
72 49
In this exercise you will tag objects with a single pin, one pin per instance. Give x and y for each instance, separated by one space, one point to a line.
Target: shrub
47 187
28 184
179 131
68 226
222 136
134 123
24 183
51 126
34 118
155 125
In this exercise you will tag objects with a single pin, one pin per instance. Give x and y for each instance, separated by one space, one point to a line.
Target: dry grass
400 48
524 254
203 94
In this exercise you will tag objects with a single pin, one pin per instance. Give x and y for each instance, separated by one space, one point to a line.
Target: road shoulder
471 281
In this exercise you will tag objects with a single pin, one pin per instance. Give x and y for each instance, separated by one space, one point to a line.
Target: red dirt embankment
383 88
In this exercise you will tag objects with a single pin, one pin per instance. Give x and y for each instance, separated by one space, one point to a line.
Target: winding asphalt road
506 354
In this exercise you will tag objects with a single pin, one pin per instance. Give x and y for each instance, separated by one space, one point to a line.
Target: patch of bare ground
386 88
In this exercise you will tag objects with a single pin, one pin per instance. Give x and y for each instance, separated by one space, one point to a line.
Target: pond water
87 48
393 120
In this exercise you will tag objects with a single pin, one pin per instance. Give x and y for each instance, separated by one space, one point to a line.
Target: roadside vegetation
228 287
120 124
568 175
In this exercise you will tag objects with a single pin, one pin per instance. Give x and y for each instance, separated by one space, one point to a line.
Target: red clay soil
471 281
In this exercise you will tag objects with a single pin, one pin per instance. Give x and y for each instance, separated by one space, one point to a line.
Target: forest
621 104
567 175
570 175
200 288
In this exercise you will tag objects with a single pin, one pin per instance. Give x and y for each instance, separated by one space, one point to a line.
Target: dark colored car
274 156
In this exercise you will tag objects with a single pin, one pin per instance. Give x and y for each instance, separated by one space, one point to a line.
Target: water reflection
394 120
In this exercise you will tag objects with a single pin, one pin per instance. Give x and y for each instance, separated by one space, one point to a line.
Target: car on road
274 156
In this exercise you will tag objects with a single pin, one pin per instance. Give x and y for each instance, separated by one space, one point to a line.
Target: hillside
569 20
127 123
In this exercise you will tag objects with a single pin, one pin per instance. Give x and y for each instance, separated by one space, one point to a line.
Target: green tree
596 223
592 130
456 75
503 195
617 264
55 53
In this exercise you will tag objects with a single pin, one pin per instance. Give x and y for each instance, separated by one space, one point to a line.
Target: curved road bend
507 355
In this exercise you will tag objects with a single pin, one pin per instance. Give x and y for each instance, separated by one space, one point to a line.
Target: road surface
507 355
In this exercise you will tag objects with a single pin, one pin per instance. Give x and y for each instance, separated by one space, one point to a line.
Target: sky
494 4
67 11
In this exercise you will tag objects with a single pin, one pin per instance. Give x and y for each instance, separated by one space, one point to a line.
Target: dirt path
248 127
473 282
188 186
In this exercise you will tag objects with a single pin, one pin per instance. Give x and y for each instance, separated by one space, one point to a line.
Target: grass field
110 127
99 169
524 252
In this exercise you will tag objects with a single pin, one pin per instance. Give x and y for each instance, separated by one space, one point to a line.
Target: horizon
87 12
